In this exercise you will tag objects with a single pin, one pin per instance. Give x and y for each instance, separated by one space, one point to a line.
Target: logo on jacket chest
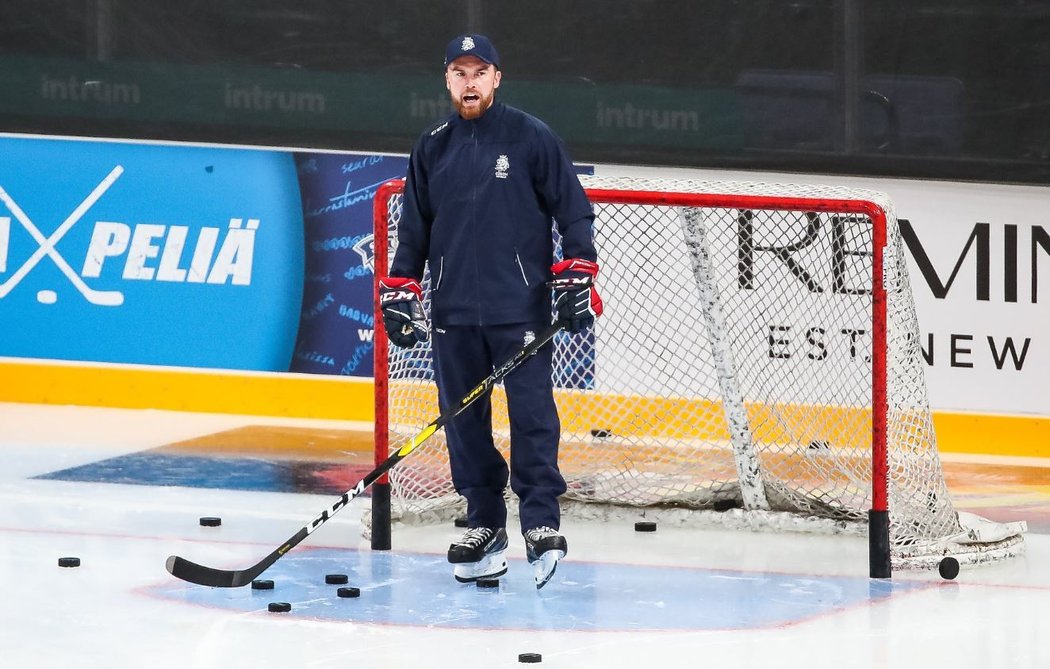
502 166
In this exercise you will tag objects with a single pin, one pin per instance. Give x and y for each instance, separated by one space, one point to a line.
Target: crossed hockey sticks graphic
108 298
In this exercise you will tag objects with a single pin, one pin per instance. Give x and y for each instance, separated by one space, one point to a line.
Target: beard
470 113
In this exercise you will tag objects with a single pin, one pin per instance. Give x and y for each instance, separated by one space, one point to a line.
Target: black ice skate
479 554
544 546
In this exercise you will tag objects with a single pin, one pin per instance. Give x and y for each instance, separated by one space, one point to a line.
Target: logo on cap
468 44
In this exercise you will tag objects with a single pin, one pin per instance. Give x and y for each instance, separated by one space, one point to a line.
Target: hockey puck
348 592
645 526
461 522
69 562
819 445
210 521
279 607
600 433
530 657
722 505
261 584
488 583
948 568
336 579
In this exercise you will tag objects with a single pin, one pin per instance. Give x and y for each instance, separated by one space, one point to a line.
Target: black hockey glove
575 298
403 315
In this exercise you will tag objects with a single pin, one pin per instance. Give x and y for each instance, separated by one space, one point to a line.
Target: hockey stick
221 578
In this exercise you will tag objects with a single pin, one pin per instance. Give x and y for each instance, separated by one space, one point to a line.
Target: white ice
740 600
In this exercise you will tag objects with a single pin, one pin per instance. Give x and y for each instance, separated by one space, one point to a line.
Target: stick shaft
221 578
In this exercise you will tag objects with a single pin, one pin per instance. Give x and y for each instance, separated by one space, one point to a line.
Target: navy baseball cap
472 45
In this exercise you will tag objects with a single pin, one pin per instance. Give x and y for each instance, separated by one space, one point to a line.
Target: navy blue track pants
463 356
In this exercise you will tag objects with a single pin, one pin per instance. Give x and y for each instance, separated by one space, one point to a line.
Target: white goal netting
731 379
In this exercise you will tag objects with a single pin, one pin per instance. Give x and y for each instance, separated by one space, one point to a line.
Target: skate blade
543 569
490 566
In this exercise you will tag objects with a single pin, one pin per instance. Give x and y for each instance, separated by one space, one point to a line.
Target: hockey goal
758 365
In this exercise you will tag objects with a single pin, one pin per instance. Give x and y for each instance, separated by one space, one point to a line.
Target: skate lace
538 533
475 536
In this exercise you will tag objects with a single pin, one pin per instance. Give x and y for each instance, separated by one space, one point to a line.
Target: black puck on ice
948 568
488 582
530 657
461 522
69 562
645 526
261 584
279 607
210 521
336 579
348 592
599 433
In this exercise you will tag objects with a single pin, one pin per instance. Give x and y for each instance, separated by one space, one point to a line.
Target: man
482 188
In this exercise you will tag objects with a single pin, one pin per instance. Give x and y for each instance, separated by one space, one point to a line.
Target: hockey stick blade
215 578
192 572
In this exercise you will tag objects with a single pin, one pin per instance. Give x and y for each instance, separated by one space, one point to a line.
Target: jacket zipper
473 216
517 259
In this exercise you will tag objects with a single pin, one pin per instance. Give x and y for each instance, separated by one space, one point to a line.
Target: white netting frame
924 523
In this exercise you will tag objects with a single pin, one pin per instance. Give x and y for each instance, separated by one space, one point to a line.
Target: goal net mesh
730 378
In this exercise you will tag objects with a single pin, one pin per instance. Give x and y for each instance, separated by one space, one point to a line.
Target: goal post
757 365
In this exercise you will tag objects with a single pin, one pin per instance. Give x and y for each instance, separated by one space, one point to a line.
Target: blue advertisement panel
337 327
193 256
152 254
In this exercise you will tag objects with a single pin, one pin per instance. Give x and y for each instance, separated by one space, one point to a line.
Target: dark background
949 89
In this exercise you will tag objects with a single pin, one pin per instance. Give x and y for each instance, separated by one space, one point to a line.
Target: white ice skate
544 546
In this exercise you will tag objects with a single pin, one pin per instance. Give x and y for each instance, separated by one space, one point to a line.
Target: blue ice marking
418 590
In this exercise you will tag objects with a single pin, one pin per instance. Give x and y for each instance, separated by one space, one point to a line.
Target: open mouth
471 98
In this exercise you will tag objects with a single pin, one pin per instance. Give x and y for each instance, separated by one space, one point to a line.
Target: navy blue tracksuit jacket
479 199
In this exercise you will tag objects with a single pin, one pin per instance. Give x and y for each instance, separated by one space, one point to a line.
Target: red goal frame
878 515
